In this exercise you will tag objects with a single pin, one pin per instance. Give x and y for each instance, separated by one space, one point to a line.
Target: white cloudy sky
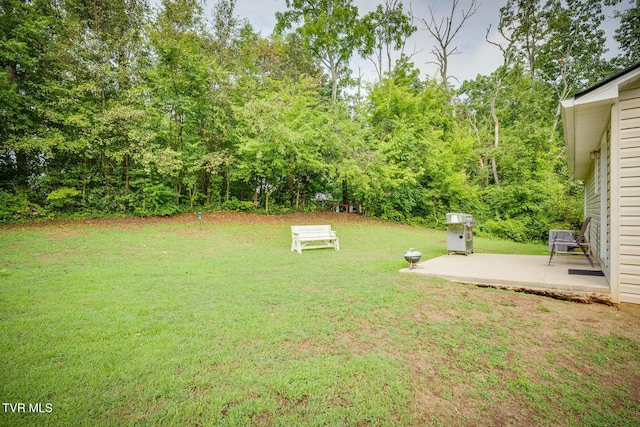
476 55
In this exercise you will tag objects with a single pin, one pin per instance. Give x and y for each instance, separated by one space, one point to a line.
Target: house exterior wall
628 197
597 187
606 261
592 208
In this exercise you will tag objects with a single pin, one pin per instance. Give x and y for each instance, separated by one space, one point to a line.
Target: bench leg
296 246
553 248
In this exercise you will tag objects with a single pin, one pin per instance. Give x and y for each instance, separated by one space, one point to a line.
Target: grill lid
454 218
412 255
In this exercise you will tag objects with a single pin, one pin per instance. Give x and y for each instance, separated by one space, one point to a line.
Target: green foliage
628 35
117 109
17 208
238 206
416 164
151 197
385 30
507 228
330 29
64 198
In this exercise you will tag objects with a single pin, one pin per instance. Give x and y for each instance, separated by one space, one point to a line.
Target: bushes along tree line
117 108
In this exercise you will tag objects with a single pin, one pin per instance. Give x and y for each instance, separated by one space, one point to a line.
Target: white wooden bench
303 235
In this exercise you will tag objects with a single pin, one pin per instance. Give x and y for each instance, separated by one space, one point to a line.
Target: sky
476 55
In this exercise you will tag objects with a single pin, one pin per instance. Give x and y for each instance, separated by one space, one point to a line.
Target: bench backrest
311 230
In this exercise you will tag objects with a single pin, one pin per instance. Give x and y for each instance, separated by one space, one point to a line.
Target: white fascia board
604 93
567 103
568 115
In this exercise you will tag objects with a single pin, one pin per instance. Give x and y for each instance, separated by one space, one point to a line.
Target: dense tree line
112 107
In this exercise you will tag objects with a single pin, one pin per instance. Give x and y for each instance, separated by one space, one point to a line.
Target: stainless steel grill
460 233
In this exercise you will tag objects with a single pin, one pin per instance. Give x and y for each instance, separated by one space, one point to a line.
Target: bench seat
322 235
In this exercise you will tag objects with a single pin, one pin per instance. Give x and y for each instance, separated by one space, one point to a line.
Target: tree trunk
388 60
22 171
445 79
205 179
481 159
444 31
334 82
126 171
177 188
290 185
84 182
226 193
496 133
345 192
266 203
192 194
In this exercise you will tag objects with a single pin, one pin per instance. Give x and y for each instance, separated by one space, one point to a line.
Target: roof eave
567 113
579 112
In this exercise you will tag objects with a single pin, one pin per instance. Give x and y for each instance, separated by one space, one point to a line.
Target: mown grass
218 323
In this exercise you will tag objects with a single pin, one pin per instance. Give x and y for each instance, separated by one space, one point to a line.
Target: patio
526 273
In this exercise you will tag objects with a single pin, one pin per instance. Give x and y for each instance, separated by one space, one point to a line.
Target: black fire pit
412 256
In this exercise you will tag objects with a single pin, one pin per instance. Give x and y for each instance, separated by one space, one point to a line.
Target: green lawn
175 322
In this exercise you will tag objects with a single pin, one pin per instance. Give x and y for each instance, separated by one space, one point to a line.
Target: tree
107 36
628 34
497 78
415 162
532 173
524 23
72 64
103 109
283 142
387 29
560 42
226 29
331 30
189 120
444 32
31 59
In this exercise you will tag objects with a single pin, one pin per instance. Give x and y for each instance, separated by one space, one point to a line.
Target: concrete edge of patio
521 273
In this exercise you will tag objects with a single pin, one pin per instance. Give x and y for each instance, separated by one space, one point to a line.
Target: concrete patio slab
520 272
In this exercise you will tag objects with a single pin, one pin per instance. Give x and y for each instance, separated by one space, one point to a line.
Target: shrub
511 229
63 198
17 207
237 205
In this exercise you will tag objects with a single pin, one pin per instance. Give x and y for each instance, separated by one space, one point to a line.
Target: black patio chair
573 244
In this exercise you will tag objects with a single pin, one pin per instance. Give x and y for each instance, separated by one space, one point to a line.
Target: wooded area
112 107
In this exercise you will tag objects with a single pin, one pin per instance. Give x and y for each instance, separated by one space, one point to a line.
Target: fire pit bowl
412 256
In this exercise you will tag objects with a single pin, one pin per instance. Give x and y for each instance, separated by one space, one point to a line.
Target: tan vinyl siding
592 209
607 255
629 196
597 197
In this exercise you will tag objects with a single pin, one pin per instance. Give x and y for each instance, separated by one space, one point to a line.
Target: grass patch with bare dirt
180 322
